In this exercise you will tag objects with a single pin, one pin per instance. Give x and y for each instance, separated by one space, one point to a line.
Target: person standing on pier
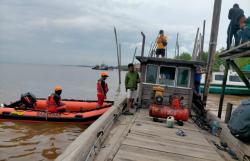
102 89
131 80
234 16
161 44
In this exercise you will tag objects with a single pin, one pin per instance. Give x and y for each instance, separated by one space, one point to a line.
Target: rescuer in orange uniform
102 89
54 101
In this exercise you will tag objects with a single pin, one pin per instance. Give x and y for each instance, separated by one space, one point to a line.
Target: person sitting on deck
234 15
244 34
131 80
102 89
54 101
161 44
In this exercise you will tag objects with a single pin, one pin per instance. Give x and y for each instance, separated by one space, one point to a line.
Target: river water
45 141
39 140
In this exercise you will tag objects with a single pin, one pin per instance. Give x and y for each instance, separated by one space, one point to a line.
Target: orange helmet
104 74
58 88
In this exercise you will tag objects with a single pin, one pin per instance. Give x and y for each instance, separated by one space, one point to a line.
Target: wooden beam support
233 51
223 89
240 73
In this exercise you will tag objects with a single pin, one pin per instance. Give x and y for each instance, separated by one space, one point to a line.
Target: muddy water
214 99
35 141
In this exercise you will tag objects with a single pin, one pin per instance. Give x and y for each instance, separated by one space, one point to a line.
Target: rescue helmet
104 74
58 88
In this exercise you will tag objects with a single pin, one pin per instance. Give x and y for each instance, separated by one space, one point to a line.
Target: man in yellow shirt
161 44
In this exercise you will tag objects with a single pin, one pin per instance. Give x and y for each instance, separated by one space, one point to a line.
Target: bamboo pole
118 56
177 46
203 39
195 44
212 46
120 61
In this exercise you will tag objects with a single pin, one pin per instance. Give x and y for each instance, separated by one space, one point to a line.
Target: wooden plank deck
138 138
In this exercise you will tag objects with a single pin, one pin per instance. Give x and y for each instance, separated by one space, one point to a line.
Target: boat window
151 76
183 77
167 76
219 77
234 78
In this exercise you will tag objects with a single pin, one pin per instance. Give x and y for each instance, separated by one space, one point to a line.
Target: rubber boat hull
86 114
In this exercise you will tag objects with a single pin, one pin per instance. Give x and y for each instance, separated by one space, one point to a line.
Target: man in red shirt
102 89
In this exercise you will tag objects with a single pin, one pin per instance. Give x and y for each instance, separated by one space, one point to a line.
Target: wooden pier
138 138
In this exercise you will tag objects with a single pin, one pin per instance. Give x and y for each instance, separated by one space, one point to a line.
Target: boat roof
167 61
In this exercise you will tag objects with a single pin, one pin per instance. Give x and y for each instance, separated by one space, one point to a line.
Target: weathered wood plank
113 141
154 143
132 153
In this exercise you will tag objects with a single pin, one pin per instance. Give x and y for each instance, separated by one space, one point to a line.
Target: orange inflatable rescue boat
76 111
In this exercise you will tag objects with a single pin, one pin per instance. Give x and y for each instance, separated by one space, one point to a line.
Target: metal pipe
143 44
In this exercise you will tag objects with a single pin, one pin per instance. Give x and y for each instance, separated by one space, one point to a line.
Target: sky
78 32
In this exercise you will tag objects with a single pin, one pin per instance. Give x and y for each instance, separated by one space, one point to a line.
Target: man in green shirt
131 80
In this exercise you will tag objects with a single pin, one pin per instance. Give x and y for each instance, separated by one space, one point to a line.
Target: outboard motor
28 99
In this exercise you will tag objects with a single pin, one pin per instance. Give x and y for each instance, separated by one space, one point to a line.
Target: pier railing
88 143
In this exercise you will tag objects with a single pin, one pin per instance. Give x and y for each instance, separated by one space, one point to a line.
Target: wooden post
195 45
223 89
118 56
228 112
212 46
143 44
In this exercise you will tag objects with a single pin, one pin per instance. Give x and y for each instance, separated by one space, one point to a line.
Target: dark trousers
232 32
160 52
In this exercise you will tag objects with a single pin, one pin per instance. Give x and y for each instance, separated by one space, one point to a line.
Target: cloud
81 32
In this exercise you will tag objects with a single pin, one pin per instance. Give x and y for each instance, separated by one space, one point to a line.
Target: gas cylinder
161 111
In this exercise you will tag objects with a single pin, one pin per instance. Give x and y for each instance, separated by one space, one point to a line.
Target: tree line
241 62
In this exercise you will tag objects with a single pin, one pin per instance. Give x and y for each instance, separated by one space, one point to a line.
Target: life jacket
161 40
100 90
51 101
52 106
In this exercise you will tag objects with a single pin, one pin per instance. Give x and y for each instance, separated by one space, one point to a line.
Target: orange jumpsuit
102 89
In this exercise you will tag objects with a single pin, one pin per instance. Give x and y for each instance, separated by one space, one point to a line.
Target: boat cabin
176 76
